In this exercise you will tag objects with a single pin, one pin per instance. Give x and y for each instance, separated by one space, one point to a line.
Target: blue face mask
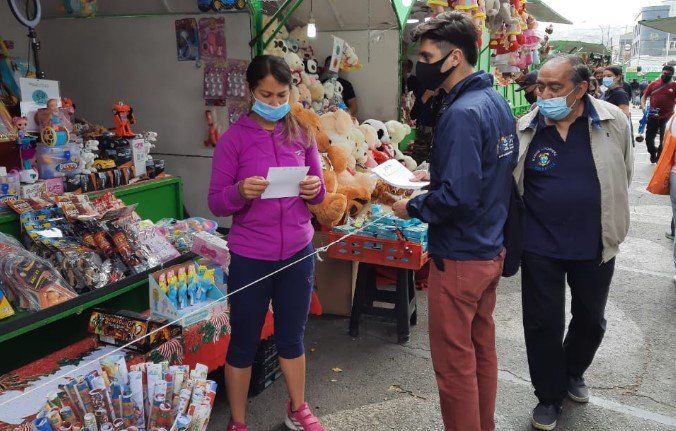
556 108
608 81
271 113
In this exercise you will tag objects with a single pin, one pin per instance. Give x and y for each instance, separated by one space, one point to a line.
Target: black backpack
513 232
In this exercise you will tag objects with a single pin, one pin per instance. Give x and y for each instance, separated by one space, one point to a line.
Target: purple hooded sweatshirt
264 229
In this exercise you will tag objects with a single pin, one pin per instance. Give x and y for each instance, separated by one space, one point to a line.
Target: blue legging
290 291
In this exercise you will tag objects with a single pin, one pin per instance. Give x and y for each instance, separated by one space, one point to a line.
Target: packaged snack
6 309
76 207
121 327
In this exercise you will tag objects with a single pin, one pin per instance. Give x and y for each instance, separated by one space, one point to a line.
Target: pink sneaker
236 426
302 419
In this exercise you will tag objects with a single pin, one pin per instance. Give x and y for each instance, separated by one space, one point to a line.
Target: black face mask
666 78
430 75
531 97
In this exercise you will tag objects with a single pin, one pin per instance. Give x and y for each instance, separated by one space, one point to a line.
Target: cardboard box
118 328
335 280
52 186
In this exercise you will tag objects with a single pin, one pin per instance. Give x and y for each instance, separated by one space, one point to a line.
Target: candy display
211 247
139 397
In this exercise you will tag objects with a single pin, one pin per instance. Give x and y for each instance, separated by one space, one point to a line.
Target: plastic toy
206 282
27 150
172 283
124 118
192 285
163 284
182 288
88 156
212 134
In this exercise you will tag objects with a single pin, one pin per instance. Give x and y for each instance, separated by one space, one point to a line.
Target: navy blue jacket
474 152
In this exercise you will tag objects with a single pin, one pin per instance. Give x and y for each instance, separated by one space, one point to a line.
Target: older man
575 165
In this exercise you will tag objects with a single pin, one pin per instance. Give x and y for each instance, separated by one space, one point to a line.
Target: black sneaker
653 158
544 416
578 390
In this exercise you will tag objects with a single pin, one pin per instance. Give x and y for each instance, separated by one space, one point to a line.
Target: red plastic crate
378 251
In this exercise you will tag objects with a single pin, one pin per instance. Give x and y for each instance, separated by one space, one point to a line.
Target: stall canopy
543 13
578 47
664 24
56 9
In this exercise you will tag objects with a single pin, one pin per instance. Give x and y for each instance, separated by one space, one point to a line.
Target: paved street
386 386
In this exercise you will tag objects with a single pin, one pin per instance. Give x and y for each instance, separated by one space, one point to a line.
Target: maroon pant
462 340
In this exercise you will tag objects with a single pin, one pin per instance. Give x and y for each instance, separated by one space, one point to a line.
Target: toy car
102 164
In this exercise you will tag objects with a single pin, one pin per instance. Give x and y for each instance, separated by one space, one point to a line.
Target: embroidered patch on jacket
505 146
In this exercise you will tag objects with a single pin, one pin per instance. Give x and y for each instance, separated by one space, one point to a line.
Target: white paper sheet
284 182
396 174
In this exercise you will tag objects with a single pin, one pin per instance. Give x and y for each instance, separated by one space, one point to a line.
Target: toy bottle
207 284
192 285
201 270
163 284
173 288
182 289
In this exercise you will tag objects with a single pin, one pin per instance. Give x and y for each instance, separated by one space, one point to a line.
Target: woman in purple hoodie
266 236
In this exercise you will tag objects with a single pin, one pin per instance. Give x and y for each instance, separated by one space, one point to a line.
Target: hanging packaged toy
54 162
215 79
33 282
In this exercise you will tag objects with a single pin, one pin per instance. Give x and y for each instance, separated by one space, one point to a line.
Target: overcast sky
592 13
588 15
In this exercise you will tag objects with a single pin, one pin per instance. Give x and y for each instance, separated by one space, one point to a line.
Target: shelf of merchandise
26 336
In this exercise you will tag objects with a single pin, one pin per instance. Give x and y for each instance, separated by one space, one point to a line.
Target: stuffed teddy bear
388 195
304 95
349 62
384 150
371 137
337 121
331 211
296 65
282 34
360 149
299 34
398 131
311 79
277 48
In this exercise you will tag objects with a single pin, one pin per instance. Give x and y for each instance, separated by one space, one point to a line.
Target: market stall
119 242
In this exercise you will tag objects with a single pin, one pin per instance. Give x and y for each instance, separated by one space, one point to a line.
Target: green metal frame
256 7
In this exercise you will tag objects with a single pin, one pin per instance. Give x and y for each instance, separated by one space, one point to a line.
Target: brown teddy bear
332 210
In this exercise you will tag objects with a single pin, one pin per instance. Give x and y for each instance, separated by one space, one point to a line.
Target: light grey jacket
611 146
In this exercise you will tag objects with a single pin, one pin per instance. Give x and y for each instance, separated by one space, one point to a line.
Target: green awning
665 24
543 13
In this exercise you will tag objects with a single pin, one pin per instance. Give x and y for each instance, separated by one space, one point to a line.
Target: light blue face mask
608 81
270 113
556 108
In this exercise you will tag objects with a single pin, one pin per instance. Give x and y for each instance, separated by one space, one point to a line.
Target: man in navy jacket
474 152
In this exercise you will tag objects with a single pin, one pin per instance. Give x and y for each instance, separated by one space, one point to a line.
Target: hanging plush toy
437 6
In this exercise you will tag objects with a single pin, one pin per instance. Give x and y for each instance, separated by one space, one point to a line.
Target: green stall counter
26 336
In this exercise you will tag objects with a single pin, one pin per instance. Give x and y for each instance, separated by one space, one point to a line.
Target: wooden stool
403 298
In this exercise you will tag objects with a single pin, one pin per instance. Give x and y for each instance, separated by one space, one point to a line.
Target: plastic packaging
56 162
35 284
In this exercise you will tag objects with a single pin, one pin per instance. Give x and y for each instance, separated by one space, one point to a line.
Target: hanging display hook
30 19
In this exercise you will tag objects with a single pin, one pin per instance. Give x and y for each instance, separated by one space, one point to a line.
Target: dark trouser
654 126
551 359
290 291
423 142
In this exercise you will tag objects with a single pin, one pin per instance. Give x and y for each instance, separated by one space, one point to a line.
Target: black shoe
653 158
578 390
544 416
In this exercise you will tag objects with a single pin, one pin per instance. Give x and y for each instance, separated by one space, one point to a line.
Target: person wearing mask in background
574 170
267 235
594 89
598 74
662 95
635 92
423 112
615 94
472 159
349 96
529 86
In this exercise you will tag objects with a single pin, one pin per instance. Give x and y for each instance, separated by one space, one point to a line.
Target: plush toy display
398 131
